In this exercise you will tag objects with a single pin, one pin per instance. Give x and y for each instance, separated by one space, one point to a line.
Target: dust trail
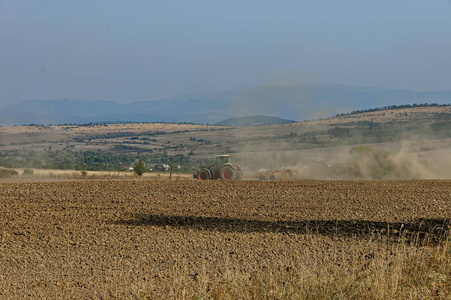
408 159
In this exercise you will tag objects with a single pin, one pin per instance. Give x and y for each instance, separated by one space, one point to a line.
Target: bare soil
128 239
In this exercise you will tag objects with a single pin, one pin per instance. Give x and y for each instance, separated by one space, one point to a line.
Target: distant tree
139 168
4 173
28 172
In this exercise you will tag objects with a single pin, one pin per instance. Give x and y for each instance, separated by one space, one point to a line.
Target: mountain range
292 102
253 121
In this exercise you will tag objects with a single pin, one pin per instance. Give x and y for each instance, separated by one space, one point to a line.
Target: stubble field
185 239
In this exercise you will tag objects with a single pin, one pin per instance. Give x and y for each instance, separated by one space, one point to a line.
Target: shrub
28 172
5 173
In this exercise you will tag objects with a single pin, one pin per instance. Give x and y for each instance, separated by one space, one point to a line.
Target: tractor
224 168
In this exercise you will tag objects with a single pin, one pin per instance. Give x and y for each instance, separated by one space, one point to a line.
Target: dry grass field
39 137
185 239
419 114
53 175
104 128
35 144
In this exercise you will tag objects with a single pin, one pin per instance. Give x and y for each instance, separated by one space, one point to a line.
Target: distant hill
290 102
403 114
253 121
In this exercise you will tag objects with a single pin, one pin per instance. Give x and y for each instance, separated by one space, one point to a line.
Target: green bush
5 173
28 172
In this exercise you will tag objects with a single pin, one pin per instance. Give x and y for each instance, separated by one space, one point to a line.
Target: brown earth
129 239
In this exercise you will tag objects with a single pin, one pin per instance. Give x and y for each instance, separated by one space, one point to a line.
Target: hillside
253 121
414 114
421 134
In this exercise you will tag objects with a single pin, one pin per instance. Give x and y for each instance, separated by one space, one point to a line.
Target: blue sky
144 50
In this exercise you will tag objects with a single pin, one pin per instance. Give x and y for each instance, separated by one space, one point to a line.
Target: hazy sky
143 50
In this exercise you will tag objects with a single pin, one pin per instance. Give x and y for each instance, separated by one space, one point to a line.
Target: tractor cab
223 159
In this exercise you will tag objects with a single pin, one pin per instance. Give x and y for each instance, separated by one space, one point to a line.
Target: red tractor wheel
203 175
227 173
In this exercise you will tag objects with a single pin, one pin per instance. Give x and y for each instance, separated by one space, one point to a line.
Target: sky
127 51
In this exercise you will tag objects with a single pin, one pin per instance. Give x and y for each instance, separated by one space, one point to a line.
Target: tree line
391 107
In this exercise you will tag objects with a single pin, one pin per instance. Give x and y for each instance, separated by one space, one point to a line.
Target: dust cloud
408 159
285 94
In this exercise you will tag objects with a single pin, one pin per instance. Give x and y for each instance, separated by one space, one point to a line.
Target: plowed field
138 239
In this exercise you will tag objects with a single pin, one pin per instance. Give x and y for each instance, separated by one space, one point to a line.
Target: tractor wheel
227 173
203 175
289 173
262 177
272 177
